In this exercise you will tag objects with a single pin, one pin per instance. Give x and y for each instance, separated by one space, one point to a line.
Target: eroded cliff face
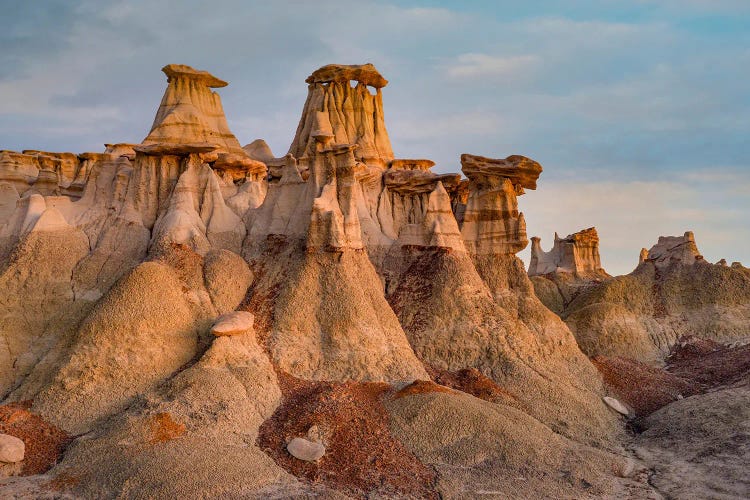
360 271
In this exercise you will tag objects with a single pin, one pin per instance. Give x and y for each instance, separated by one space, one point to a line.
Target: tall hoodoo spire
190 112
350 115
492 223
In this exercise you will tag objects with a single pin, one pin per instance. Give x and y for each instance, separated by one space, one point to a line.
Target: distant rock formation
577 253
672 249
672 293
570 266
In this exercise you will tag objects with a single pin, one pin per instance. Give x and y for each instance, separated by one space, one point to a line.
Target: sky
638 110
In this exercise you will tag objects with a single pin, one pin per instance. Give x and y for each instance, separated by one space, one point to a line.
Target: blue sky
639 111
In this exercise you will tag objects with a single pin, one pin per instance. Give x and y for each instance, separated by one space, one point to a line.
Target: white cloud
474 66
446 126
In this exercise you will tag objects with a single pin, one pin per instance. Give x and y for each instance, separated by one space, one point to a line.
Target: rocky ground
689 436
691 423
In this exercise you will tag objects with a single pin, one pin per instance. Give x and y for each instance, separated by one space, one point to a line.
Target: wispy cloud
472 66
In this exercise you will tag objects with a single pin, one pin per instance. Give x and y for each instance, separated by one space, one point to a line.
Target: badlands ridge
187 317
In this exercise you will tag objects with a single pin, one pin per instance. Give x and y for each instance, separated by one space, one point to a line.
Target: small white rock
233 323
305 450
616 405
627 468
12 449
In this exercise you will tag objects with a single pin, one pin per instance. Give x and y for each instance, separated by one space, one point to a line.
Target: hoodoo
343 114
491 222
190 112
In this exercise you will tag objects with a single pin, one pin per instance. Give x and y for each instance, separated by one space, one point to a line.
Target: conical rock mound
318 299
209 412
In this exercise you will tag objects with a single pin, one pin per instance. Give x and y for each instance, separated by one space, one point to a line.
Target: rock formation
672 293
491 220
577 253
572 265
673 249
197 314
190 112
336 111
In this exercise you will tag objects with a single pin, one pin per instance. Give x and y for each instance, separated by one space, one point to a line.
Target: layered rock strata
491 220
190 112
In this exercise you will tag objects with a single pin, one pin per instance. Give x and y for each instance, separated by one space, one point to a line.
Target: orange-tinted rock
337 113
491 222
576 253
342 73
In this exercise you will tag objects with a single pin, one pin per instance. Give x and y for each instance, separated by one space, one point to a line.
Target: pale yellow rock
305 450
12 449
616 405
232 323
